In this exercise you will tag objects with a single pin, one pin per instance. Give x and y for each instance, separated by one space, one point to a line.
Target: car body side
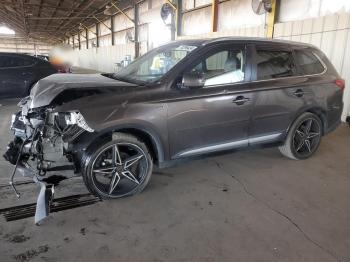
175 124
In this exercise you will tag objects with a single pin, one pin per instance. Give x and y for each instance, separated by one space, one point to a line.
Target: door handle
240 100
299 93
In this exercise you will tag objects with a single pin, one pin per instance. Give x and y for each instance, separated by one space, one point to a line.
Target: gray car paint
47 89
181 121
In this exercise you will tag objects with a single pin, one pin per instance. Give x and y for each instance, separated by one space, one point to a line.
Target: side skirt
230 145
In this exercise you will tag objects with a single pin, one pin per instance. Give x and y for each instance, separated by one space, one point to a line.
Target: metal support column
79 40
112 30
136 31
87 38
179 18
97 35
271 18
73 42
214 15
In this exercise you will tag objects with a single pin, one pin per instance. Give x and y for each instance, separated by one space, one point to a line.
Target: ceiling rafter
54 19
39 11
88 4
59 3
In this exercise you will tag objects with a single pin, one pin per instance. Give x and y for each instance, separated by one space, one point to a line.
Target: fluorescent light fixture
4 30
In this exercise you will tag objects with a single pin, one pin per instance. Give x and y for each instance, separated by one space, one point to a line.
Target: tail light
340 83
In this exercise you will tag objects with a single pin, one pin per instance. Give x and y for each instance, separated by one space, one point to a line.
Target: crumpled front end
44 141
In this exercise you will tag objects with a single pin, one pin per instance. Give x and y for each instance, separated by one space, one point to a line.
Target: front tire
118 168
304 137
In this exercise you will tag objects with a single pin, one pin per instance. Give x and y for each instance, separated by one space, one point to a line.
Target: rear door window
273 64
308 63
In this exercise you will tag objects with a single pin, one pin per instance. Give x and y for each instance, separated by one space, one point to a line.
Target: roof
52 20
206 41
256 40
20 55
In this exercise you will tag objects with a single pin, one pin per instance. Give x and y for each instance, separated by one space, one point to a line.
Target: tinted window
12 61
308 63
274 64
223 67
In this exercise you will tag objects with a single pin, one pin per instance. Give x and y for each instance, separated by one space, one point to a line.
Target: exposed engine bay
43 138
43 142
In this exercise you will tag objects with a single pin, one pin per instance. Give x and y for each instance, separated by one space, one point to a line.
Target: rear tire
304 137
118 168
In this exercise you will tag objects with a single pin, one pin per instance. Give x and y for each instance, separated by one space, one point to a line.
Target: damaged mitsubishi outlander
184 99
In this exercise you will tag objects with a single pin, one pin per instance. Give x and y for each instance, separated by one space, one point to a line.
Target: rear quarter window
308 63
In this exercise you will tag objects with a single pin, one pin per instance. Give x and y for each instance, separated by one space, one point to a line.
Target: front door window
222 67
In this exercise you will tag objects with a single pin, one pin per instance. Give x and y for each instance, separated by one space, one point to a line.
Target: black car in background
19 72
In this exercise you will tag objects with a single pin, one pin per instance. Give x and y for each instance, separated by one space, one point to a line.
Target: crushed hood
47 89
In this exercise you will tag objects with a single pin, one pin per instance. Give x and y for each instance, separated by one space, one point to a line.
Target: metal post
73 42
112 30
136 36
214 15
173 26
79 40
97 35
271 19
87 38
179 18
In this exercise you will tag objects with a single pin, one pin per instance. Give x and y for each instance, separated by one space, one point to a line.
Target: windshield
155 64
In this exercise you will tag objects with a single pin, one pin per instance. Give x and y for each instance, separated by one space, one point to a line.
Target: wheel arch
319 112
144 134
151 140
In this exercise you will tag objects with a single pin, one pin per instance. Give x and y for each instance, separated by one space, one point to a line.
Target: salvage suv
185 99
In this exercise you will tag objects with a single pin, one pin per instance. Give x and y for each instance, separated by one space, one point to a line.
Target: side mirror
193 80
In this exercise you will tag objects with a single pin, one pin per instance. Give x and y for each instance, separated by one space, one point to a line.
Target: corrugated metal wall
248 31
232 14
152 33
15 45
293 10
104 58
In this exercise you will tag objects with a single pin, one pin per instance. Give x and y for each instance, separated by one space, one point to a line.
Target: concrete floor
246 206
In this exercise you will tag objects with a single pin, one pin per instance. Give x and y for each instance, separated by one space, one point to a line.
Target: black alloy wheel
306 137
119 168
303 138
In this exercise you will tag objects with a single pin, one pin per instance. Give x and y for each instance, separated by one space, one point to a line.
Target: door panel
205 121
217 116
276 105
278 91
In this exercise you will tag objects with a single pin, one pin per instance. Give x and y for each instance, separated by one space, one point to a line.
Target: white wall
20 45
248 31
232 14
152 33
292 10
103 58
